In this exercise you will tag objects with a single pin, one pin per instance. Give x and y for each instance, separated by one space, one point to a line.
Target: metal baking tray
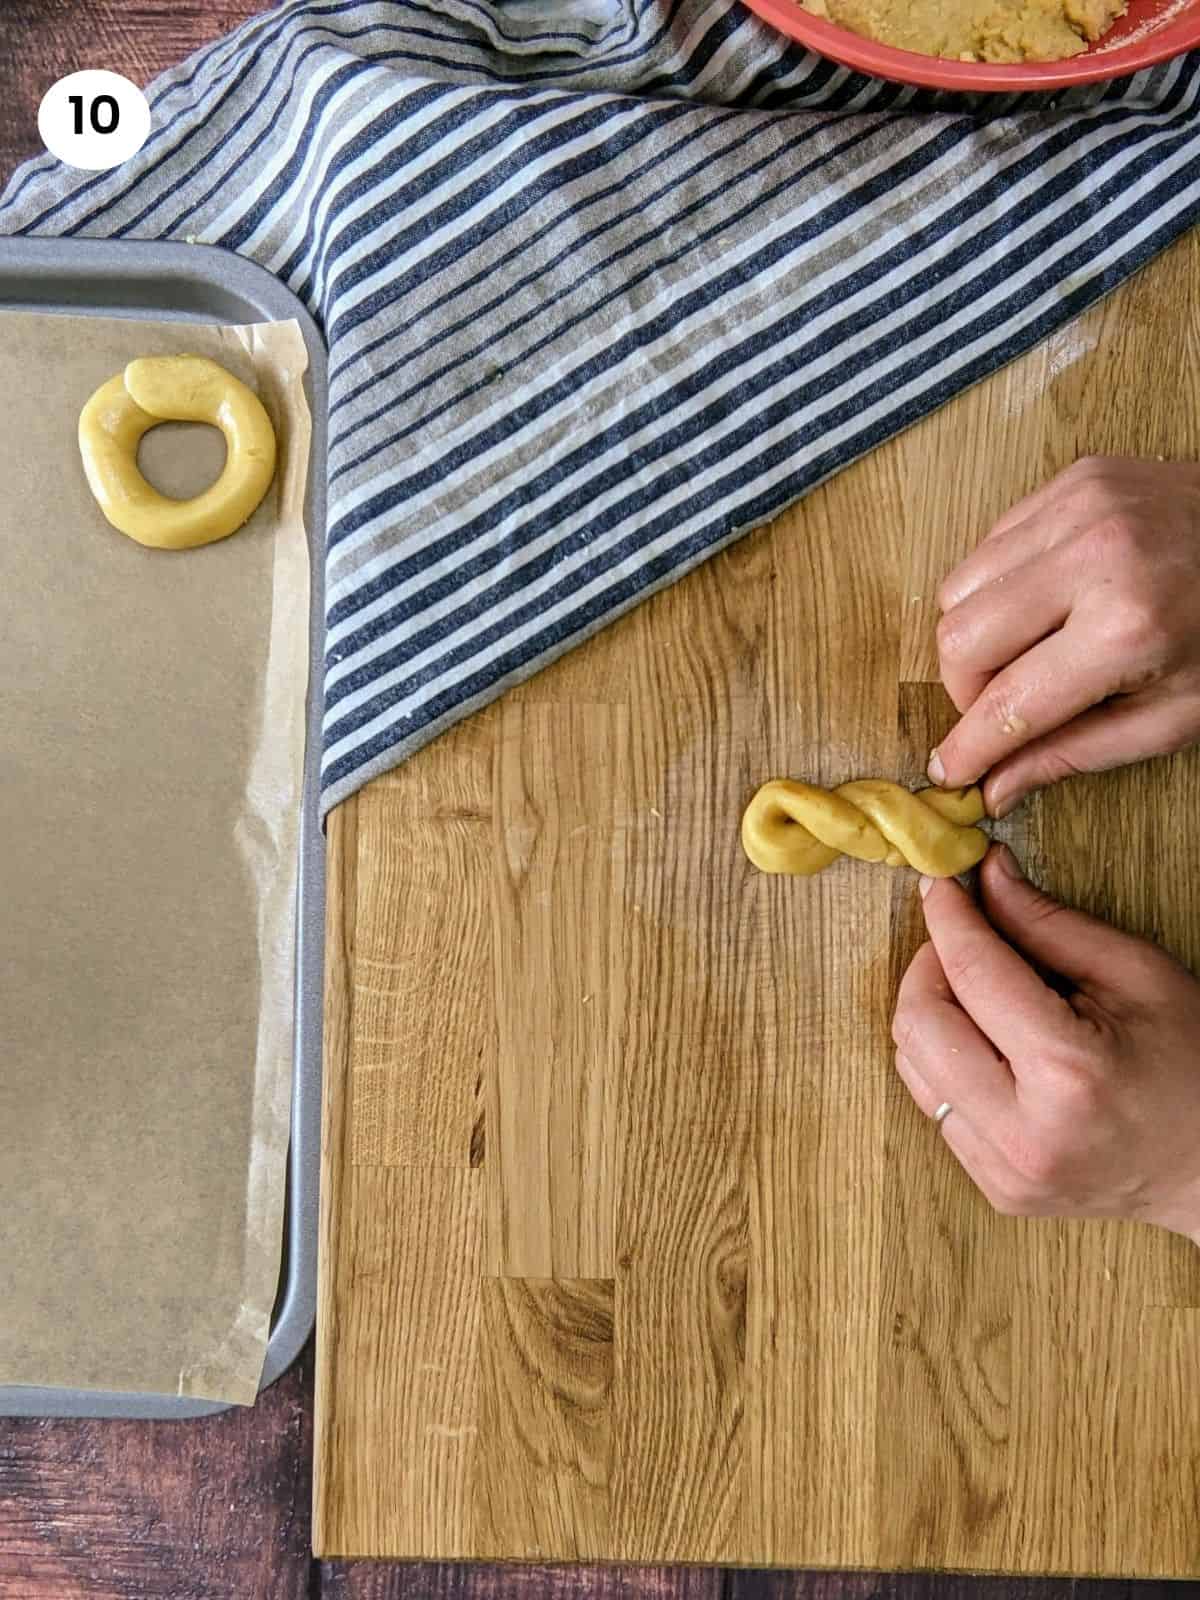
197 283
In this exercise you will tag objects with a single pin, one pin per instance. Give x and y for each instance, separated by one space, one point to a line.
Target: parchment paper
151 753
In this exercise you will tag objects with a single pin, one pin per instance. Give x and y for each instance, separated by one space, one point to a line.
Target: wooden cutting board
634 1247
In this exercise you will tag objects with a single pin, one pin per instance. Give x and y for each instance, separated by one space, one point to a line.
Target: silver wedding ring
942 1112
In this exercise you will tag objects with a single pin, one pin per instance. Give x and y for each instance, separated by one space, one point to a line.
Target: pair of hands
1069 642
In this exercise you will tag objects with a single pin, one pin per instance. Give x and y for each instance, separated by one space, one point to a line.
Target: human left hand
1086 1105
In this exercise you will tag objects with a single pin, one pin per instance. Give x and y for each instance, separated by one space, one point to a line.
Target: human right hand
1070 639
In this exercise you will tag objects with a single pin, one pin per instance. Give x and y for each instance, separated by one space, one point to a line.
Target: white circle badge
94 120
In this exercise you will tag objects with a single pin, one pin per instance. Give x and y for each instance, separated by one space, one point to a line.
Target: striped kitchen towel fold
606 283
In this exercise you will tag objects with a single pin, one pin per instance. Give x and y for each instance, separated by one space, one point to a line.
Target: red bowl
1151 31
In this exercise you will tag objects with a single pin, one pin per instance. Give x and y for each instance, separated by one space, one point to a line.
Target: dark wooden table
219 1509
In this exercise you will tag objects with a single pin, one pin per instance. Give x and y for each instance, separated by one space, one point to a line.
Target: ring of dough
158 389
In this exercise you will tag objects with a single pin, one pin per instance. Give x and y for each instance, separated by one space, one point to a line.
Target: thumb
1111 735
1068 942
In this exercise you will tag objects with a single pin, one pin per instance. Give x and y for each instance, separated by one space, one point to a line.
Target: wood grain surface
634 1247
42 40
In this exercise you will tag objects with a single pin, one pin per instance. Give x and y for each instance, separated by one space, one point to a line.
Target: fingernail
936 769
1009 865
1001 808
924 884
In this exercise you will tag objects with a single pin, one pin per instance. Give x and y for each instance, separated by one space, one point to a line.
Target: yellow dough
158 389
796 827
977 30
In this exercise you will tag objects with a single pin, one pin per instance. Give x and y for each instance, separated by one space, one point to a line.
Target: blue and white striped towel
606 283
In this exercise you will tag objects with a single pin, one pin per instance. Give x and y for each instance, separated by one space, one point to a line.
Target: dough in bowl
977 30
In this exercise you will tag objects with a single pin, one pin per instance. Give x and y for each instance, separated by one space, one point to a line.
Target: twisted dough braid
796 827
